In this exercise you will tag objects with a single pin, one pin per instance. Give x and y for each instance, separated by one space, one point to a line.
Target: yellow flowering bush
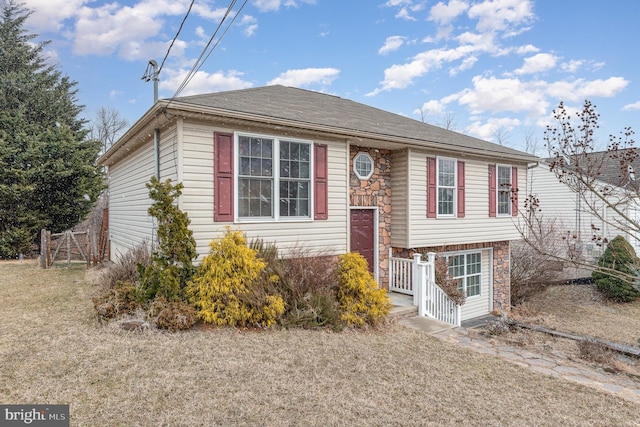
361 299
222 289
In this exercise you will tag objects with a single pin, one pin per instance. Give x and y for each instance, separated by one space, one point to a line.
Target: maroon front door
362 234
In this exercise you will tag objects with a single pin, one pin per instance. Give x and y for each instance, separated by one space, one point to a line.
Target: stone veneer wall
376 191
501 266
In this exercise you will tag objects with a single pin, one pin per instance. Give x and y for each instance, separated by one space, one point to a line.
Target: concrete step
399 311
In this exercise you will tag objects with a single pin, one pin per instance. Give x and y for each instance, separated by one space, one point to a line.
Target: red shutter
492 190
432 211
223 177
320 182
514 191
460 189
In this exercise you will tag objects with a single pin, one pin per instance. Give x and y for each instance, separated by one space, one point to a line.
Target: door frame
376 233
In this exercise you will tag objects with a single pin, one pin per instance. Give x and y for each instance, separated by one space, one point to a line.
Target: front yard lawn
52 350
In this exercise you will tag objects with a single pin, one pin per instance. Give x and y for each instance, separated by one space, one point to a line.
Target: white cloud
391 44
572 66
103 30
445 13
430 108
305 77
49 15
505 95
400 76
507 16
529 48
203 82
274 5
489 129
267 5
538 63
532 98
250 25
406 7
112 27
630 107
466 64
580 89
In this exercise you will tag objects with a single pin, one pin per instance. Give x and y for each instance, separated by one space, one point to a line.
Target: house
579 212
293 167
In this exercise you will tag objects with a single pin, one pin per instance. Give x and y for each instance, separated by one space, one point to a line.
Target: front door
362 234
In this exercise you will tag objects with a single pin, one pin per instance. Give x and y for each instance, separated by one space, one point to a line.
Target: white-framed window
503 189
274 177
446 186
467 270
363 166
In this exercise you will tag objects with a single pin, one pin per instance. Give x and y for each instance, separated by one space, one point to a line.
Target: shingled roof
620 167
314 109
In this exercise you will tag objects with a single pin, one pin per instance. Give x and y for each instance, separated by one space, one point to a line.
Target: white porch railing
417 278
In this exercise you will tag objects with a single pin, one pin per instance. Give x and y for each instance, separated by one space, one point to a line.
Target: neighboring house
585 216
297 167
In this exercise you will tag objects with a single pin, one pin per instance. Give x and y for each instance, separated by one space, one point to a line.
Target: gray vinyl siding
325 236
476 226
129 223
570 215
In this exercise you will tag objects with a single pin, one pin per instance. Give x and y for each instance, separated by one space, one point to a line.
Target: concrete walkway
553 366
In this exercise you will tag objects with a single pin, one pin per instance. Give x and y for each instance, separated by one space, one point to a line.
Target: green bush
224 289
171 265
617 277
361 299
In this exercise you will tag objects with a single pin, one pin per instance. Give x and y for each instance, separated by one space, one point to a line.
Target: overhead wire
175 38
215 45
200 61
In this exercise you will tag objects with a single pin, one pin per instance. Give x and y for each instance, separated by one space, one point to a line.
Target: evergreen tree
48 172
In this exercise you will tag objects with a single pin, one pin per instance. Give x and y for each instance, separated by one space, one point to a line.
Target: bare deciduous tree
501 135
603 182
530 142
107 126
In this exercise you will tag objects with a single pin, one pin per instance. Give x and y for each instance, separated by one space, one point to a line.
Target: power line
175 38
200 62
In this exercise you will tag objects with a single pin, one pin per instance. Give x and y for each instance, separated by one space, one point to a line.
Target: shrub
223 289
361 299
531 272
319 309
171 265
118 301
617 276
306 281
171 315
125 269
448 284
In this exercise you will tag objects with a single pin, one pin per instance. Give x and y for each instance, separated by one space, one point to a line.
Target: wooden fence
90 247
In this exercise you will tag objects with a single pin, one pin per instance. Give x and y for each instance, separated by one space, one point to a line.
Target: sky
493 69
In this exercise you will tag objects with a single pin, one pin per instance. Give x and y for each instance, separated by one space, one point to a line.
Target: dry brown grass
54 351
581 309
